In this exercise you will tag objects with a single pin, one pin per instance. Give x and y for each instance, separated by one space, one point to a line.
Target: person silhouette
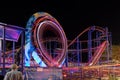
14 74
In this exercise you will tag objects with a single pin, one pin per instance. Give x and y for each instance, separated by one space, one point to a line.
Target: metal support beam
97 41
89 44
3 72
0 51
22 49
110 44
107 49
66 60
78 51
13 51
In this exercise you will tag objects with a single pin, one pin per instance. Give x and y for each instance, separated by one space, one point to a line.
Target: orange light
64 75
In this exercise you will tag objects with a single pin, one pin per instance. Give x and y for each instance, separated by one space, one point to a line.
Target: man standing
14 74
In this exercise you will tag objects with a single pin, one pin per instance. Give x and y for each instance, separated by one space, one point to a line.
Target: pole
3 72
89 45
22 49
13 52
78 53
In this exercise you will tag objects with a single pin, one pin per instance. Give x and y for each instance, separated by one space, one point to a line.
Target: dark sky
73 15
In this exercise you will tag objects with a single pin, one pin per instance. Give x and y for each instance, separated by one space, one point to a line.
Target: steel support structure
5 55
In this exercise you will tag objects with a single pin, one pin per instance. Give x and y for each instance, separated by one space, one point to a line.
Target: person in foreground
14 74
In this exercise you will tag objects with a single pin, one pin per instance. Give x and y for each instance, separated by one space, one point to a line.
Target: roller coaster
45 45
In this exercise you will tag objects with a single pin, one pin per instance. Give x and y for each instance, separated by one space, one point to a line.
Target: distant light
64 75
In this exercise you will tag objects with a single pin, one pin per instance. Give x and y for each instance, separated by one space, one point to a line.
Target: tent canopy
12 33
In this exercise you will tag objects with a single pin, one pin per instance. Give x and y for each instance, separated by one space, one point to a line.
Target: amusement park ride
43 43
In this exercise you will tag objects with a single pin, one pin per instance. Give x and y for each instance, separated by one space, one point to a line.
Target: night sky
73 15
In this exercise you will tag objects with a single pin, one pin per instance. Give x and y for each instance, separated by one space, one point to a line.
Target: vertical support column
78 52
89 44
55 46
1 27
98 41
0 51
110 44
50 50
3 72
66 60
13 51
22 49
81 69
107 49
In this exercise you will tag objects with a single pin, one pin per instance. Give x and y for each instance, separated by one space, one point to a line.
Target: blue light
27 56
38 59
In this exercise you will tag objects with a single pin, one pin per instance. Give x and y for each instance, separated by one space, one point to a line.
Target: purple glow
11 34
